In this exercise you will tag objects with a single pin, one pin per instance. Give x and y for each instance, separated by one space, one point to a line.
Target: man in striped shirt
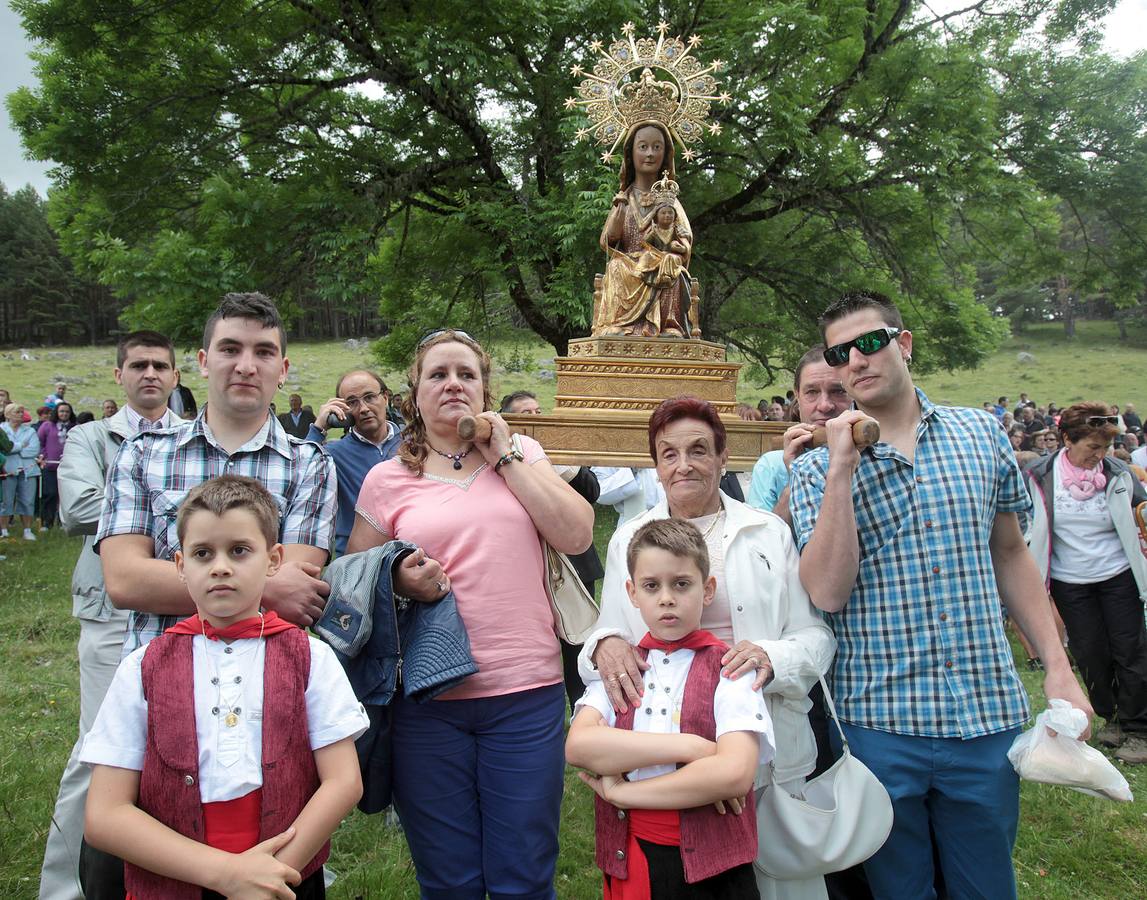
910 546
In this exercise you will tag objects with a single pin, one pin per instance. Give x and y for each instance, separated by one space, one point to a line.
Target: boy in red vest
223 755
663 769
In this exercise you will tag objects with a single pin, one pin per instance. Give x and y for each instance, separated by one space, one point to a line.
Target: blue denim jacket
379 640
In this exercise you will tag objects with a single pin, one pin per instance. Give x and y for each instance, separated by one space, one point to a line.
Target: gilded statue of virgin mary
647 290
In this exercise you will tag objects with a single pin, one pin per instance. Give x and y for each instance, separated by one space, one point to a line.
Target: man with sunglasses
362 398
910 546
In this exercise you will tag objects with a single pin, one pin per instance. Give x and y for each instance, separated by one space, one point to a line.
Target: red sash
658 826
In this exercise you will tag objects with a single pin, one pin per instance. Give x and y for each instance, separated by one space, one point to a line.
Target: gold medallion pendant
231 720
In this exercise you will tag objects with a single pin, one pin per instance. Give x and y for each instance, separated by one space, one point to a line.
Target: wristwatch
508 457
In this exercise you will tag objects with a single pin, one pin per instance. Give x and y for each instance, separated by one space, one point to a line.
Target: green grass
1070 846
1096 365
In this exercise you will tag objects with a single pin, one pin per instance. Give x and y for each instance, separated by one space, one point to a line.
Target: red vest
169 782
710 843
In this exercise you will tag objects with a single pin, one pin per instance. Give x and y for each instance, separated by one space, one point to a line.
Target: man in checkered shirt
244 361
910 546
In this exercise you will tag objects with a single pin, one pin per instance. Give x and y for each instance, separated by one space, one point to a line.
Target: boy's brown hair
228 492
676 536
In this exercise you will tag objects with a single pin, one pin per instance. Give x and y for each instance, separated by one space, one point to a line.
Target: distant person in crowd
776 411
110 408
21 481
1024 401
748 413
1086 543
1001 407
85 416
1130 441
297 420
894 538
1113 410
1038 439
43 414
1030 421
1131 418
52 399
145 369
1139 455
53 435
478 770
819 397
361 398
759 608
587 564
1017 437
5 399
1007 421
182 401
523 403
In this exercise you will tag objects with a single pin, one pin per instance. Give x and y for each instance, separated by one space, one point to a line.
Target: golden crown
615 103
664 190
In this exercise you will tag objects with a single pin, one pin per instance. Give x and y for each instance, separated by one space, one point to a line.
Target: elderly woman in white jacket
761 610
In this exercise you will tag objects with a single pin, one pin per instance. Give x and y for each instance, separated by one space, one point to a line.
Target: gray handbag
841 818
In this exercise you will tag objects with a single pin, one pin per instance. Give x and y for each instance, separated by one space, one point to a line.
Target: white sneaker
3 532
28 536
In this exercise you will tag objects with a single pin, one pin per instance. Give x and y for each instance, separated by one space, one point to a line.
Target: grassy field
1096 365
1070 846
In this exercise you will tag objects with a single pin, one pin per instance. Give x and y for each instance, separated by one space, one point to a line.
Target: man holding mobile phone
360 403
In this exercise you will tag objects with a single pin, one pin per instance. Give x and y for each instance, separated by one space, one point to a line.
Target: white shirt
1085 547
230 759
736 706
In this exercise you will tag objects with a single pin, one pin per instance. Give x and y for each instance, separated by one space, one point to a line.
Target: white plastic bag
1060 758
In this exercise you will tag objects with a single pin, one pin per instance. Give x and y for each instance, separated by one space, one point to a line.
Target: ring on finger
623 675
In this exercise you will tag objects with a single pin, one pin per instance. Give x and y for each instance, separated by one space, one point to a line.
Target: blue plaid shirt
154 471
921 642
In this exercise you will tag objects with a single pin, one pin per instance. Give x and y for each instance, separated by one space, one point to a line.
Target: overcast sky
1126 33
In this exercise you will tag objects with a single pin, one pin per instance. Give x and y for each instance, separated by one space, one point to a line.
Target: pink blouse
488 545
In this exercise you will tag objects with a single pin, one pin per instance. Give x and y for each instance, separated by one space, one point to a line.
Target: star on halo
577 71
663 27
581 132
595 46
694 40
570 102
688 153
715 128
627 29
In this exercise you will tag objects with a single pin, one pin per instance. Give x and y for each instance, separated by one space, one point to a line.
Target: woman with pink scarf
1086 542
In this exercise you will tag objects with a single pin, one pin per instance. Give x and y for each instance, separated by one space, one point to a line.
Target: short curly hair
686 406
1074 422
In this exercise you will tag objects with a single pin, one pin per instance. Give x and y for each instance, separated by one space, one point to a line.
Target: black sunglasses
431 335
868 343
1097 421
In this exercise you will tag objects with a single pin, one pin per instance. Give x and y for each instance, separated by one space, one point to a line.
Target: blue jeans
19 495
965 792
478 787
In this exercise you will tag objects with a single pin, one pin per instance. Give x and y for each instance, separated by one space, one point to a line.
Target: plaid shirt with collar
154 471
921 642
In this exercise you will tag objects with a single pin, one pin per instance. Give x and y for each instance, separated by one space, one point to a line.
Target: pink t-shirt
489 547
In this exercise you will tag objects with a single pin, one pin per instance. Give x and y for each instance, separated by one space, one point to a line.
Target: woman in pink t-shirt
477 772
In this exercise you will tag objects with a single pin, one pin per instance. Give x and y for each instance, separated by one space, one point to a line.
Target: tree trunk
1065 301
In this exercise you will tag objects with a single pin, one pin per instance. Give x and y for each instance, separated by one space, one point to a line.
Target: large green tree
347 151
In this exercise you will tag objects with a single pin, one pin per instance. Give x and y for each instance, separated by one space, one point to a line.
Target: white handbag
841 818
574 609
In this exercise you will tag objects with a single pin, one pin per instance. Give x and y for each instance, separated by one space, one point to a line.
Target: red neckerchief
694 640
269 624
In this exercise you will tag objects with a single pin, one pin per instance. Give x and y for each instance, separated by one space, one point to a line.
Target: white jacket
768 606
1123 494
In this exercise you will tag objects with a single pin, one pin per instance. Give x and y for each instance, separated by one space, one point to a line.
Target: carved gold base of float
608 386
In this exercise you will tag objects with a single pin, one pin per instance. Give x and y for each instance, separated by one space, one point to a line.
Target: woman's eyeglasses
431 335
868 343
1099 421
